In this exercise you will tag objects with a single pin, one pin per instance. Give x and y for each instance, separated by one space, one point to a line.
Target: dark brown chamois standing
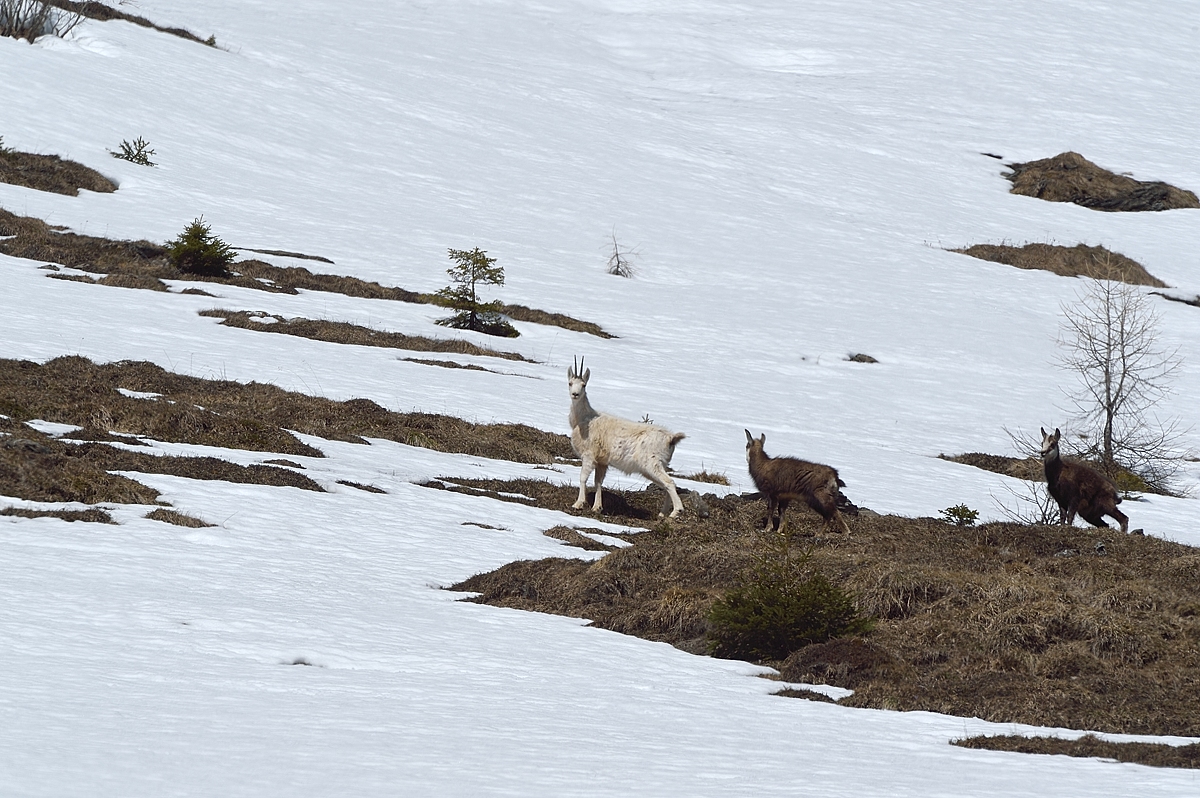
783 480
1079 488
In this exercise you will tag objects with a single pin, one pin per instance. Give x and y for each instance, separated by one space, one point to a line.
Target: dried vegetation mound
1069 177
340 332
143 264
1077 261
1005 622
104 12
51 173
1030 468
252 416
1089 745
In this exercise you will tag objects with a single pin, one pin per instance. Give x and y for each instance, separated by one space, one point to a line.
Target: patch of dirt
1153 754
253 416
1077 261
51 173
974 621
1069 177
340 332
144 265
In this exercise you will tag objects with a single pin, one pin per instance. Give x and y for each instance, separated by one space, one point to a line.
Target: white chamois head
1049 442
577 382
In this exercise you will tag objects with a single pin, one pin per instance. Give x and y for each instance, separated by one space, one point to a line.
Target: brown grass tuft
51 173
1069 177
1153 754
976 621
1021 467
177 518
1077 261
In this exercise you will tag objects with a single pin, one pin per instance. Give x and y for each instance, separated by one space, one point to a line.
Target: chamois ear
586 375
1043 429
762 438
571 374
1057 434
749 437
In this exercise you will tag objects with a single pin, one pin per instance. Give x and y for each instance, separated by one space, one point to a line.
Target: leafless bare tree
1110 340
31 19
620 261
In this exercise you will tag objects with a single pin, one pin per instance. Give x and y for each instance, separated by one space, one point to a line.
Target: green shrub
960 515
781 606
474 268
198 251
138 152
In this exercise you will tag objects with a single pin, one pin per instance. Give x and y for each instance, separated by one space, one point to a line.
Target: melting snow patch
51 428
138 394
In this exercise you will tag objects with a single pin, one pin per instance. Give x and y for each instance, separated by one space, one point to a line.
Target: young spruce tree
472 269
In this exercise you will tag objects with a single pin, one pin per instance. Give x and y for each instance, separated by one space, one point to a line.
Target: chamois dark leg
783 505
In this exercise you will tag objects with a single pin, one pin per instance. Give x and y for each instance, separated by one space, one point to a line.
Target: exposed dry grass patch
340 332
253 416
572 537
103 13
1077 261
707 476
1030 468
37 467
1153 754
51 173
143 264
1069 177
177 518
91 515
974 621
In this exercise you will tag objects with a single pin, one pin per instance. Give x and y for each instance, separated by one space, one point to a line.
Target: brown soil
974 621
1153 754
142 264
1077 261
1069 177
51 173
339 332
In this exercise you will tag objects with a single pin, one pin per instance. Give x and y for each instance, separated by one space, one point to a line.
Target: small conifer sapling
474 268
197 251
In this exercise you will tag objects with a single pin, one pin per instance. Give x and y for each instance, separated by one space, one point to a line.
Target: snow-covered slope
790 173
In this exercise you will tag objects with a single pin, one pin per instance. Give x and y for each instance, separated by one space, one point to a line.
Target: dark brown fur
783 480
1079 489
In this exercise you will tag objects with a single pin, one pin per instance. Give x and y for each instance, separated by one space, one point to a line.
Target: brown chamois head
754 446
1050 442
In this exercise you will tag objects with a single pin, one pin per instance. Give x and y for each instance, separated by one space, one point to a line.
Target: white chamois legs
585 471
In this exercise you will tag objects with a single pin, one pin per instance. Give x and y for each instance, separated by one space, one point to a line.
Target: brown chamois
1078 488
782 480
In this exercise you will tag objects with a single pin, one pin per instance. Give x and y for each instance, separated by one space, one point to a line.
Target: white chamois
602 440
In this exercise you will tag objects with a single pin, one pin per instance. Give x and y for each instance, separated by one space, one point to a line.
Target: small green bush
198 251
138 152
960 515
783 605
474 268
